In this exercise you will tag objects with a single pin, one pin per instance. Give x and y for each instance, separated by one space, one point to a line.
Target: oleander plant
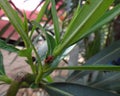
88 24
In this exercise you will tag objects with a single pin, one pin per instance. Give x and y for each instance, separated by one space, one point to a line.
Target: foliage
86 19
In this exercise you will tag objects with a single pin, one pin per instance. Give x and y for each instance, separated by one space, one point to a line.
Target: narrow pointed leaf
107 17
87 17
8 47
15 20
107 80
25 23
106 56
25 52
91 67
51 44
5 79
76 90
55 21
42 11
40 15
59 92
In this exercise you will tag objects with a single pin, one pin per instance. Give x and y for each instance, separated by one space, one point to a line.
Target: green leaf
38 25
50 39
49 79
51 44
8 47
75 14
15 20
108 80
55 21
40 15
25 23
85 19
87 16
59 92
106 56
25 52
104 19
2 69
5 79
42 11
91 67
71 89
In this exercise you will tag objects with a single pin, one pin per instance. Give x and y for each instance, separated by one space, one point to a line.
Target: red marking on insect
49 59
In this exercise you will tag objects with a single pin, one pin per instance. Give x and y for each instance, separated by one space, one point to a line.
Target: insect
49 59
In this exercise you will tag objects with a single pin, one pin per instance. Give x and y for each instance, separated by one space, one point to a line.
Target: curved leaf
71 89
8 47
5 79
85 19
51 44
55 21
105 18
106 56
87 16
25 53
107 81
42 11
15 20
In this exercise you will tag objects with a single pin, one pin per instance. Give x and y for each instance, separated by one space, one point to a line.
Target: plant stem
40 67
32 65
14 87
22 79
